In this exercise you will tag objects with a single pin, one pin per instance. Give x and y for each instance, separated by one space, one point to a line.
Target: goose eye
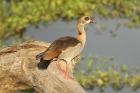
86 18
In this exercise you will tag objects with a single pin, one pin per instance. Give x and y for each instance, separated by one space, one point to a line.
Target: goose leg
67 72
60 70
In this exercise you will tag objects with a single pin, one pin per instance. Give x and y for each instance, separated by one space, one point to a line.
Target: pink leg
67 73
60 70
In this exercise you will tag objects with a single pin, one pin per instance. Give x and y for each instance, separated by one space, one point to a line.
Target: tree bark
18 71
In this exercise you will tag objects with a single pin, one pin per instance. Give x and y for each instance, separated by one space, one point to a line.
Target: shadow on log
18 71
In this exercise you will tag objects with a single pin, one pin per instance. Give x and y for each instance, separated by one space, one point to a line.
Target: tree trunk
18 71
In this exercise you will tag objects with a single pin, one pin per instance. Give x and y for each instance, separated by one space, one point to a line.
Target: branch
18 71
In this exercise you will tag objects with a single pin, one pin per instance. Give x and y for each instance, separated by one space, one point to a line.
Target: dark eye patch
86 18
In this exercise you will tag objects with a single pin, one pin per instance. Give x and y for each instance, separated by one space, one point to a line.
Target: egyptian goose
65 48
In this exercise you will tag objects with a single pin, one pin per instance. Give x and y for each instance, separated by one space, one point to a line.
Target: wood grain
18 71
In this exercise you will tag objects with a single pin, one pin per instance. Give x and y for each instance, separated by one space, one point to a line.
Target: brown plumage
55 49
65 48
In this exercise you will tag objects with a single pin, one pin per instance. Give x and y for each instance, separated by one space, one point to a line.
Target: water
124 47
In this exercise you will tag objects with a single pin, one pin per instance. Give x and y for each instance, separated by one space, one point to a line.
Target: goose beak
94 22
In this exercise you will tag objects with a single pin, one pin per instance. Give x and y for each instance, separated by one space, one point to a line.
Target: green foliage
20 40
1 43
16 41
28 91
17 15
99 72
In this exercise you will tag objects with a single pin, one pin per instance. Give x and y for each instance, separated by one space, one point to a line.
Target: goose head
85 20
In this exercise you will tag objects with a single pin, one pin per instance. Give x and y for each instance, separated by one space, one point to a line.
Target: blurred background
110 61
